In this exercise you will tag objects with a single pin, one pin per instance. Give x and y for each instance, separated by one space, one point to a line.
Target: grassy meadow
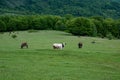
99 61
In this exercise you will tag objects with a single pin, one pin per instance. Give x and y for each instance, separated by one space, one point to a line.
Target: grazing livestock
24 44
80 45
93 42
58 45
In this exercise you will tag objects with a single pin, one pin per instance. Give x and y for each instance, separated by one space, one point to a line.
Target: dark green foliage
14 36
109 36
94 31
60 26
118 26
98 22
106 8
82 26
2 26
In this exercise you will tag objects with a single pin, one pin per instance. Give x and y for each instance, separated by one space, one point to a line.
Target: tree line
82 26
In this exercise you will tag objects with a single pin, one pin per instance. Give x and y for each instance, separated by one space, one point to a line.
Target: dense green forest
86 8
79 17
81 26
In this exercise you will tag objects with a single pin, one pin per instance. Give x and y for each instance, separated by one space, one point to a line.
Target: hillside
106 8
98 61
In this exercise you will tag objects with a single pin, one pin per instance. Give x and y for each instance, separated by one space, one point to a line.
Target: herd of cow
55 45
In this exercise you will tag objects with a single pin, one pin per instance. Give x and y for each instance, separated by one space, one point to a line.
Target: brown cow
80 45
24 44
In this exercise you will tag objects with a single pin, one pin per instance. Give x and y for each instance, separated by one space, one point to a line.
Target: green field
99 61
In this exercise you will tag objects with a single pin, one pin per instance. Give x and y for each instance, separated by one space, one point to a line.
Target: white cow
58 45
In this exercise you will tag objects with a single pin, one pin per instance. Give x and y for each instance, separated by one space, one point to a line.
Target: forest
80 26
79 17
86 8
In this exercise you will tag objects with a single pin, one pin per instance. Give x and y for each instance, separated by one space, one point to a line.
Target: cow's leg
21 46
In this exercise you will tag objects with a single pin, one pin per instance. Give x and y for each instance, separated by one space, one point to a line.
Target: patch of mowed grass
99 61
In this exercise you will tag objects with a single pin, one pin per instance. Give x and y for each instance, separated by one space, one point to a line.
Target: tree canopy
86 8
82 26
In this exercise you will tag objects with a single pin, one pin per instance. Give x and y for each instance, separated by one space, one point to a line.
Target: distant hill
105 8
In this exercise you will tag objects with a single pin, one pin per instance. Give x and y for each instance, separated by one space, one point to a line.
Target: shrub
14 36
109 36
2 26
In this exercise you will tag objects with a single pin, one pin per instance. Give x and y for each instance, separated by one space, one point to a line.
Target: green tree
11 26
80 26
98 22
118 29
60 25
111 26
37 24
2 26
22 23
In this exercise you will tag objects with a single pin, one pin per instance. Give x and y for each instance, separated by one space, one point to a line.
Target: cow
24 44
59 45
80 45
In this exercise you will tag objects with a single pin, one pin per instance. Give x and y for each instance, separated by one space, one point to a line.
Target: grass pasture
99 61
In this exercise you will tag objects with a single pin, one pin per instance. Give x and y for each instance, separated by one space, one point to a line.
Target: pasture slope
99 61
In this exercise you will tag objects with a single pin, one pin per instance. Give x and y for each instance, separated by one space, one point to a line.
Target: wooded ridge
86 8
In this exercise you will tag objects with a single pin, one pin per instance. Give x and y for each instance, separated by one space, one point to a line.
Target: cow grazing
24 44
59 45
80 45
